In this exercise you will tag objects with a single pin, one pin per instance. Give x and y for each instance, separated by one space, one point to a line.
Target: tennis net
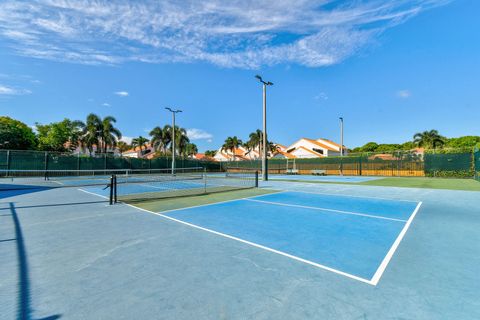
138 188
23 179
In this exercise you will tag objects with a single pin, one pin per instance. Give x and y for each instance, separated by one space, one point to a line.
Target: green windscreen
476 157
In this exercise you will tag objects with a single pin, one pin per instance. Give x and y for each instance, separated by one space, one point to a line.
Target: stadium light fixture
264 144
173 136
341 144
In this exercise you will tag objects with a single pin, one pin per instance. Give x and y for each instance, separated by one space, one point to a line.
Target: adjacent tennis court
330 178
284 250
351 236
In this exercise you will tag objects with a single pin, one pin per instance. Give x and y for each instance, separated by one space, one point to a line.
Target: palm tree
231 144
190 149
76 128
109 134
91 132
123 146
99 132
140 142
255 140
160 138
272 147
181 140
428 139
210 153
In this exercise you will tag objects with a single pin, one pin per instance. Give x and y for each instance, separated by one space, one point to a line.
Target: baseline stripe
325 209
378 274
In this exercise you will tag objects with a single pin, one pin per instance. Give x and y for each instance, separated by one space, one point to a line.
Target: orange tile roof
286 154
148 146
324 146
311 151
334 143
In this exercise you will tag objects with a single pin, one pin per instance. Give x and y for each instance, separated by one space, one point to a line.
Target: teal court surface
304 251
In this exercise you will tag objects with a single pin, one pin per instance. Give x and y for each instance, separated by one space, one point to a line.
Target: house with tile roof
146 152
241 153
309 148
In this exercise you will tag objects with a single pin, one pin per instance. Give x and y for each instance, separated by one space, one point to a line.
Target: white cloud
5 90
105 104
127 139
321 96
404 94
245 34
198 134
121 93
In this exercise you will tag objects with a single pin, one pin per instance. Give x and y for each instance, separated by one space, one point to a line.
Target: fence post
8 161
360 165
205 179
256 179
46 161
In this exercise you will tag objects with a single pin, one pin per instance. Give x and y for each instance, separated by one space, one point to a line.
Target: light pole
341 145
264 140
173 136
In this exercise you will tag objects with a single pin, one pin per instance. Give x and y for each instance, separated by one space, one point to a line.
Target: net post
205 179
112 186
256 179
115 189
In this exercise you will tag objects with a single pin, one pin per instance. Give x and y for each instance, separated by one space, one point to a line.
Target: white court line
325 209
256 244
214 203
378 274
343 195
93 193
374 281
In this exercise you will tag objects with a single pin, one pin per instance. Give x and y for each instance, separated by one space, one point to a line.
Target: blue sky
390 68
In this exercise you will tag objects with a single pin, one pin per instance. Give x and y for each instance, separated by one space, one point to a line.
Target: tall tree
231 144
210 153
181 140
429 139
190 149
255 140
100 132
160 138
123 146
59 136
140 142
15 134
92 131
109 134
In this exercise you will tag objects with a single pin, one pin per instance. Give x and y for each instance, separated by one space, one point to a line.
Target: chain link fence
446 163
44 160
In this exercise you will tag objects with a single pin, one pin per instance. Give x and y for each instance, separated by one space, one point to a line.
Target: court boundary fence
439 163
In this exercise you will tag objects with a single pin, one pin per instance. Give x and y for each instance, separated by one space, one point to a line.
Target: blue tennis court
351 236
351 179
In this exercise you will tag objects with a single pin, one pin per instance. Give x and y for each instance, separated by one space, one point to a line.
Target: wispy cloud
198 134
321 96
11 91
105 104
127 139
404 94
121 93
244 34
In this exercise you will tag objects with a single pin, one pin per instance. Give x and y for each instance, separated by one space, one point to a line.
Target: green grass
160 205
410 182
420 182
